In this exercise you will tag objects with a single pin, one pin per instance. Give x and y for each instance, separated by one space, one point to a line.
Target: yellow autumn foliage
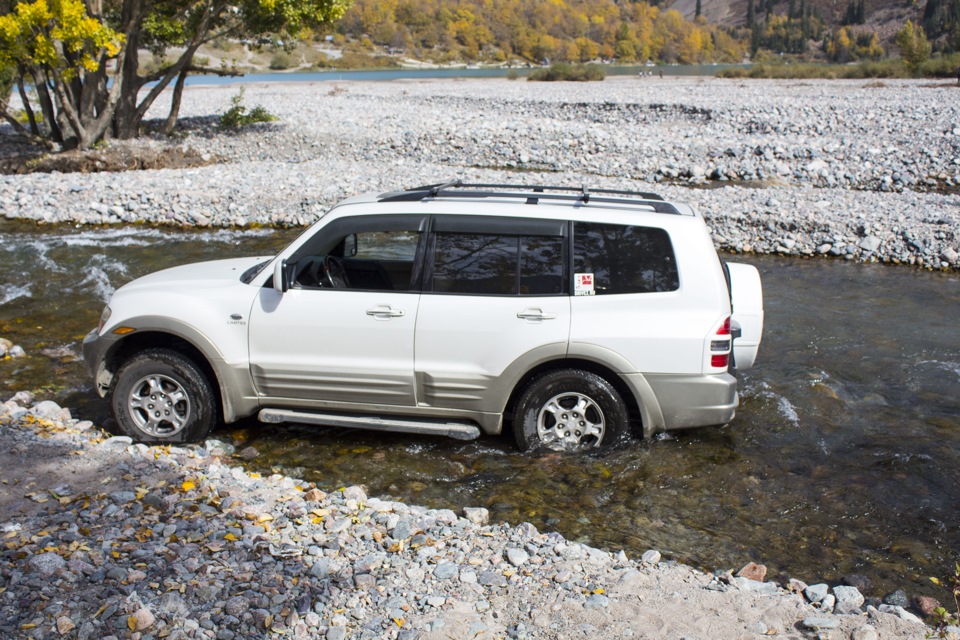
56 35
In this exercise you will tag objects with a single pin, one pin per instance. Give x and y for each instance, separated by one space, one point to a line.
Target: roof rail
459 189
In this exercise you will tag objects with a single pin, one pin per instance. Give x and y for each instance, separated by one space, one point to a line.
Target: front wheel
160 396
569 409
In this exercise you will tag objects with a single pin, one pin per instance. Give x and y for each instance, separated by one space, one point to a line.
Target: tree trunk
125 121
34 128
46 106
175 103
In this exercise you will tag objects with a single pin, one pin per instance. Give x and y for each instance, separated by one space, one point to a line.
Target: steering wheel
335 273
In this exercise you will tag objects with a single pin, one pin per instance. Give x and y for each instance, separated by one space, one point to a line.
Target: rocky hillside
884 17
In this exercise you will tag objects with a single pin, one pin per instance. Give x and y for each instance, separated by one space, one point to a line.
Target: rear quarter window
624 258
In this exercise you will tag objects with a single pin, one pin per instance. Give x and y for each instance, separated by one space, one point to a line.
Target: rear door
494 303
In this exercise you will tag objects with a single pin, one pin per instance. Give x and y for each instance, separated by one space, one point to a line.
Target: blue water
413 74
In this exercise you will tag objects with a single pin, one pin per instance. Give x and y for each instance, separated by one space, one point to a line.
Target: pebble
167 563
834 183
849 599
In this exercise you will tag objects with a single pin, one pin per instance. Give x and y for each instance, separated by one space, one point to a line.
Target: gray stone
870 243
236 606
900 612
46 409
849 599
336 633
445 571
816 592
517 557
818 624
355 493
651 556
477 515
596 601
866 632
46 564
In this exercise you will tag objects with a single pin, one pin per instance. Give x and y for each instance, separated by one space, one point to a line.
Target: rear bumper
695 400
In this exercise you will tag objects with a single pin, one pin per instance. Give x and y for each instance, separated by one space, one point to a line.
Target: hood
199 275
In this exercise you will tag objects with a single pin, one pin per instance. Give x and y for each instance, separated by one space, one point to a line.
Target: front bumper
94 357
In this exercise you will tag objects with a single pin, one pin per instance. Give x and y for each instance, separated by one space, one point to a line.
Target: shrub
569 72
281 60
513 74
238 116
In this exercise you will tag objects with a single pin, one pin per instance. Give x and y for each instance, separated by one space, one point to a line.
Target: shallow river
844 457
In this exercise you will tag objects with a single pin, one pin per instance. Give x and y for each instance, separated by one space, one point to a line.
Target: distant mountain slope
883 16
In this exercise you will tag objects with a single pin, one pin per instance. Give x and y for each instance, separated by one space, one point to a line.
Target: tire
161 396
569 410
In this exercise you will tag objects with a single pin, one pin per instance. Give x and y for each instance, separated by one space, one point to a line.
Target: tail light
721 342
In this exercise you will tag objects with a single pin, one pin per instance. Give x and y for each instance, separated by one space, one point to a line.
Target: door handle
384 312
535 315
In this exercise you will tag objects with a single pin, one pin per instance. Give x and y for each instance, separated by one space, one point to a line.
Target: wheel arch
140 341
640 415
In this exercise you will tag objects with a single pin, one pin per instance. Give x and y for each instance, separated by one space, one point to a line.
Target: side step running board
457 430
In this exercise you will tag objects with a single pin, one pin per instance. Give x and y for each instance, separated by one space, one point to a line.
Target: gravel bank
859 170
104 539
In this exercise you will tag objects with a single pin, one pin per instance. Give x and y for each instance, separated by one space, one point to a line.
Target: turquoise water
414 74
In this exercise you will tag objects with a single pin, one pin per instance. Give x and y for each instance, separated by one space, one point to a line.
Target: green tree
914 46
62 48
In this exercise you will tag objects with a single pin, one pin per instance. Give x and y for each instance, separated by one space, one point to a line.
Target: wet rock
248 453
897 598
925 604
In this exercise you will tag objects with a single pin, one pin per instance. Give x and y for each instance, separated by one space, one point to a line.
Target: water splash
9 292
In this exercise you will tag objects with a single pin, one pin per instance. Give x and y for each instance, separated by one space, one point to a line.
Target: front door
343 333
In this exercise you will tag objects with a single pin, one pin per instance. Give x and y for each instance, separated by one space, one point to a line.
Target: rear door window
616 259
467 260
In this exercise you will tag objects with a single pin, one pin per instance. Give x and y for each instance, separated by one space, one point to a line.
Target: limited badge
583 284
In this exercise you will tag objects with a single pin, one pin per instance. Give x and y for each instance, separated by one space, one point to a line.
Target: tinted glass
541 266
475 263
624 259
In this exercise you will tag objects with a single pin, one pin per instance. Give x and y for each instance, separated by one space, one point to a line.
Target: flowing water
844 457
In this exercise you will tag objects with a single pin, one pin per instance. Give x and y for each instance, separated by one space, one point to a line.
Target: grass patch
940 67
239 116
351 60
569 72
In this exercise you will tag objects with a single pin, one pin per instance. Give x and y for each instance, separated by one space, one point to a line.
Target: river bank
107 539
851 169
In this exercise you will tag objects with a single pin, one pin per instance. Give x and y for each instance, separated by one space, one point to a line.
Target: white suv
566 316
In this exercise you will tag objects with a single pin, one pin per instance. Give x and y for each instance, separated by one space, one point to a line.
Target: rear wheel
162 396
569 409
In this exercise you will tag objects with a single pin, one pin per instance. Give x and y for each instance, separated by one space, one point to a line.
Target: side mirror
350 246
281 276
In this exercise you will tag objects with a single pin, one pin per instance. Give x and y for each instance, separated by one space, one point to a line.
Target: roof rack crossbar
583 194
645 195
